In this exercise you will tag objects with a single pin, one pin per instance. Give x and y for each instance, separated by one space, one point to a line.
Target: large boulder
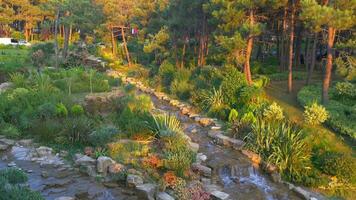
146 191
84 161
133 180
201 169
103 164
44 151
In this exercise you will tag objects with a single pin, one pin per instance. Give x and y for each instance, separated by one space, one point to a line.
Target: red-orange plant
153 161
170 178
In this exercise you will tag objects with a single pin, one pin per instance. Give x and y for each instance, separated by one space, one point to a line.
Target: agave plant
166 125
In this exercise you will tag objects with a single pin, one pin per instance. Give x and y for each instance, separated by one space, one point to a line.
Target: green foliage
166 125
179 161
11 186
61 110
18 79
341 111
233 116
77 129
281 144
213 98
273 112
345 90
9 130
13 176
166 72
103 135
315 114
232 83
46 110
336 164
77 110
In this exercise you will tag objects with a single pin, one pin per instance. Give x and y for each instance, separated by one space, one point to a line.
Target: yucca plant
166 125
213 98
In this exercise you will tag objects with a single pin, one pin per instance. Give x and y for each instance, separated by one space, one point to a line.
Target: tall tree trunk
312 59
247 69
66 41
56 48
291 45
113 41
125 46
183 54
298 45
70 34
329 65
283 43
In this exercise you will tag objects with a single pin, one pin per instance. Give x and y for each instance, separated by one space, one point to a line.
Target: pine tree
334 16
239 26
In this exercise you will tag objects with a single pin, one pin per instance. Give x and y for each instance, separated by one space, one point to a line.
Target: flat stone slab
218 195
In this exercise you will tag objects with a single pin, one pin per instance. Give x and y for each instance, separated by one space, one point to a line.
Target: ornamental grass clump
315 114
274 112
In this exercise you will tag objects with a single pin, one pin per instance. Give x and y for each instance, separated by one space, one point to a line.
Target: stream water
54 182
232 170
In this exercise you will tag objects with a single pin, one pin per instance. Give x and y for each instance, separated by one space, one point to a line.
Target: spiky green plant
18 79
213 98
282 144
166 125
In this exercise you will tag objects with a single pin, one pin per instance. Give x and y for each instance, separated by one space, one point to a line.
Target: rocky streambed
227 170
50 174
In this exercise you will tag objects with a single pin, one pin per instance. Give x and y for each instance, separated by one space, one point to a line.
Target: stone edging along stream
216 133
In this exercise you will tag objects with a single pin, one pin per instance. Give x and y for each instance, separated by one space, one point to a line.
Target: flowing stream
232 170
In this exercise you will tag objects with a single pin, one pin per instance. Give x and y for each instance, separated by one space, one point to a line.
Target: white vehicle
14 42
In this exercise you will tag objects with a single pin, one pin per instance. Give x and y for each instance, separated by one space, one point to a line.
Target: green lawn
319 135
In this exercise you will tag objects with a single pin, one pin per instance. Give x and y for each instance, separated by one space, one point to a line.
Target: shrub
166 72
336 164
127 152
103 135
213 98
11 186
77 129
179 161
345 90
13 176
130 88
9 130
77 110
61 110
342 112
231 84
182 89
315 114
273 112
18 79
281 144
46 110
46 129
